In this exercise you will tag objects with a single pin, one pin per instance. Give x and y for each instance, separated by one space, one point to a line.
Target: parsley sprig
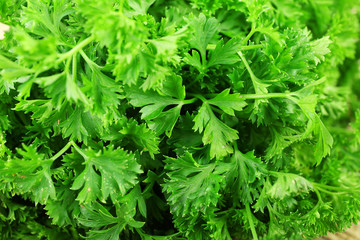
152 119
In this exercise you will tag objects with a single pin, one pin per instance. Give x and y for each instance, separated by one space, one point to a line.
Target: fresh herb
153 119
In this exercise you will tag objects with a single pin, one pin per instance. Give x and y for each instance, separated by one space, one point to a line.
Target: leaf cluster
154 120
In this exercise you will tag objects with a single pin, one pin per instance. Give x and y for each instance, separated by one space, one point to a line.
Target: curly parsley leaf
215 132
30 174
192 187
118 172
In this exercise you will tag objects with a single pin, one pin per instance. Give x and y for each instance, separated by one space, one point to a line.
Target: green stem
79 150
251 222
74 233
88 60
76 49
242 48
61 152
214 109
252 75
251 33
198 96
313 84
275 173
121 5
334 188
265 96
319 185
244 96
67 65
319 202
74 68
189 101
328 192
66 147
270 80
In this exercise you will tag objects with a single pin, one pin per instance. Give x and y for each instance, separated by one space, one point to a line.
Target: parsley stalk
250 34
62 151
75 49
66 147
251 222
242 48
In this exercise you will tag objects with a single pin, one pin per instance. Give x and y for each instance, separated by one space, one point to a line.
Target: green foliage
192 187
118 171
154 120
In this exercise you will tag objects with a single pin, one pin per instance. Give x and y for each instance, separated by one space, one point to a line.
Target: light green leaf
288 184
118 173
89 183
153 104
31 174
141 136
191 187
166 121
225 53
140 6
320 48
243 170
73 126
271 32
228 102
205 30
216 133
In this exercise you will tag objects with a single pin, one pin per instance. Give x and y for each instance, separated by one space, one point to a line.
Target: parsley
154 120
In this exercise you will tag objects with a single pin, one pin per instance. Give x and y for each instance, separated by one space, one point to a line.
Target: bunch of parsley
179 119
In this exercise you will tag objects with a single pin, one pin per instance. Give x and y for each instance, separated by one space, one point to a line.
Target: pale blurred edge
350 234
3 29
